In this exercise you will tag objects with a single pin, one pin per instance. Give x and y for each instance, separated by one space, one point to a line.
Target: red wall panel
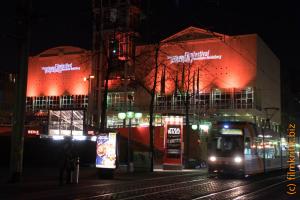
67 81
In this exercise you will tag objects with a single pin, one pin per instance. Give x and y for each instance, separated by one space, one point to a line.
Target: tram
237 148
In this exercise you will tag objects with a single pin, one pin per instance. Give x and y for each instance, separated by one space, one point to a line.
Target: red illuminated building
220 76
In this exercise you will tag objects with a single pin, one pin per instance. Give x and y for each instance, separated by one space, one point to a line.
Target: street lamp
129 115
194 126
90 99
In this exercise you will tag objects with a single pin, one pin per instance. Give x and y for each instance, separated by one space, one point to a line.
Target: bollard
77 170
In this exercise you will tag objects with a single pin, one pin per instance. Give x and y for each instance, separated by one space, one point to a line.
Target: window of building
244 99
29 103
179 102
163 102
53 102
66 122
66 101
40 103
202 100
222 99
80 101
119 101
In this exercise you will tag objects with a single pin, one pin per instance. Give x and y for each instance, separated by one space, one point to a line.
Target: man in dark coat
66 163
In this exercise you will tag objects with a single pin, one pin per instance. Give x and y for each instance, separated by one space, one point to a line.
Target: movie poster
106 150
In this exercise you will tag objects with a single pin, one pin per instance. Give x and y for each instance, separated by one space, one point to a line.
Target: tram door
253 163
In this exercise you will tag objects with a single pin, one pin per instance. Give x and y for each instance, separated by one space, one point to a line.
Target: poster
106 150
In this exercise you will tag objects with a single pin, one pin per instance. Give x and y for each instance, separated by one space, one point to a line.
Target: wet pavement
177 185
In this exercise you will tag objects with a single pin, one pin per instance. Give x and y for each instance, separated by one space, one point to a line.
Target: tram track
147 192
114 187
252 195
244 196
142 189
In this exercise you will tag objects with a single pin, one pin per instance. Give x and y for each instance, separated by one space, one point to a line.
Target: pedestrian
66 163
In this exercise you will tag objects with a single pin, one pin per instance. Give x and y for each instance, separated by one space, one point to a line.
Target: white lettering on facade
175 131
189 57
59 68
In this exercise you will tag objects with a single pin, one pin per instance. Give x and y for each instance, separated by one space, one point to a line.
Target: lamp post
129 115
90 99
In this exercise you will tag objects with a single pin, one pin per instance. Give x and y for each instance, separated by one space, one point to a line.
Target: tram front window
226 145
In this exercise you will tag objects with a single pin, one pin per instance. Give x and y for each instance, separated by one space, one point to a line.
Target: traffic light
113 48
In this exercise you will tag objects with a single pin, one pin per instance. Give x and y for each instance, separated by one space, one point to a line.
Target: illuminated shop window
244 99
66 122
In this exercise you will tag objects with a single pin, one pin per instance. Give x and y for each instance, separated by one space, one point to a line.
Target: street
159 185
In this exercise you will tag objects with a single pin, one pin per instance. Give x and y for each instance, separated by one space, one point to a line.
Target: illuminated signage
189 57
59 68
33 132
173 141
226 131
106 150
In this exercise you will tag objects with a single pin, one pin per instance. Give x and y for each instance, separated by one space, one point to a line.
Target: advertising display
173 141
106 150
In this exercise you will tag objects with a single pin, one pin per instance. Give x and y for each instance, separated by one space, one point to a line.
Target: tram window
228 143
247 142
247 150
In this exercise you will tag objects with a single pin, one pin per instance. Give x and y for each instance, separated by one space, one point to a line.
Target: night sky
58 22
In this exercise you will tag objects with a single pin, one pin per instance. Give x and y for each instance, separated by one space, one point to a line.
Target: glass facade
118 101
217 99
66 122
56 102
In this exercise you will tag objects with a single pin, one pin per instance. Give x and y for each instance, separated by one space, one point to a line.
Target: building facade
200 75
217 76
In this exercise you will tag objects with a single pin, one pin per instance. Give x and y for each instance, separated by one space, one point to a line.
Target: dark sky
63 22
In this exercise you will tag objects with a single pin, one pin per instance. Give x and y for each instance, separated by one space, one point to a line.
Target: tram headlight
238 159
212 158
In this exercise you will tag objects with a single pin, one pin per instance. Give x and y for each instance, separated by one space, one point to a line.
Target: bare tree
148 59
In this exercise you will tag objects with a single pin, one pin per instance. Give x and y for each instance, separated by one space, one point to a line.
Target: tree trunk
151 112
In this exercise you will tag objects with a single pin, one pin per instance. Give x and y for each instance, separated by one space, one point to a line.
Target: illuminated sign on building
189 57
33 132
59 68
173 141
